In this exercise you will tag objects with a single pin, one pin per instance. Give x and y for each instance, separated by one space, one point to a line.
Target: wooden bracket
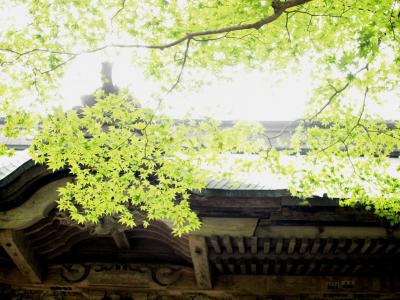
199 253
16 246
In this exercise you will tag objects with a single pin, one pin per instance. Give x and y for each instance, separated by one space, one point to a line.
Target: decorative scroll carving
74 273
166 276
162 276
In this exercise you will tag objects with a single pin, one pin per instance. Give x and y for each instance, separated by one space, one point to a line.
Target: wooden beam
139 279
35 208
199 253
16 246
234 227
121 240
323 232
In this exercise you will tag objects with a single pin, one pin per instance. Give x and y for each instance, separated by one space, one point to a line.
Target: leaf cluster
125 158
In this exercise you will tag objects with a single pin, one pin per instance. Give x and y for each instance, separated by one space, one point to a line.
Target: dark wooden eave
253 243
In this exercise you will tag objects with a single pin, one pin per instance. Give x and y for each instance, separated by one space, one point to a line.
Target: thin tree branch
346 148
20 54
118 11
331 98
392 26
337 92
287 28
185 56
358 122
72 57
360 114
279 8
211 39
316 15
174 85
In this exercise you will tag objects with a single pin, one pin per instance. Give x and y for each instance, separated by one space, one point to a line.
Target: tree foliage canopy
126 157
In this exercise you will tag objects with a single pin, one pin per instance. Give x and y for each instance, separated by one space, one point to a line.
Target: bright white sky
250 95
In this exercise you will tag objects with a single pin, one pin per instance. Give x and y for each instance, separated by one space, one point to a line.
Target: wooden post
199 253
17 248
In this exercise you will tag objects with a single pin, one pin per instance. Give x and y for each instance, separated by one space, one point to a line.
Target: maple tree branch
337 92
392 26
331 98
360 114
358 122
279 8
287 27
118 11
316 15
150 121
346 148
185 56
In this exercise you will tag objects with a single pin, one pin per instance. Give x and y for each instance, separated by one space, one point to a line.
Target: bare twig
178 79
331 98
346 148
287 28
72 57
279 8
337 92
118 11
309 24
20 54
358 122
283 130
116 15
360 114
316 15
174 85
392 26
211 39
35 84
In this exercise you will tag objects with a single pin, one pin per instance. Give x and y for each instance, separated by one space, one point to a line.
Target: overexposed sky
249 95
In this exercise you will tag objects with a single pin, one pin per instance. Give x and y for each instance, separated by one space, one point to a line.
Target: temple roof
255 240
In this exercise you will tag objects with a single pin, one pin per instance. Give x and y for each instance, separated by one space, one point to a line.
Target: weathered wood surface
302 256
264 229
199 253
120 240
180 281
18 249
33 209
244 242
227 226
